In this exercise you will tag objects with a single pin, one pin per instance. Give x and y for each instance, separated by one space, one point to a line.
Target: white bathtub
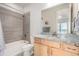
14 48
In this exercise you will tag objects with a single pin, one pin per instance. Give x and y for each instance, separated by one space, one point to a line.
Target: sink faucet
54 33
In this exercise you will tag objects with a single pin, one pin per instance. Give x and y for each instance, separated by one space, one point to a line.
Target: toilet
28 49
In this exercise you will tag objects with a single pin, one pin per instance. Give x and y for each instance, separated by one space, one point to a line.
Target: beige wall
12 24
50 15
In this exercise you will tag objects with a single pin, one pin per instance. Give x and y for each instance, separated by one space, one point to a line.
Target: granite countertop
67 38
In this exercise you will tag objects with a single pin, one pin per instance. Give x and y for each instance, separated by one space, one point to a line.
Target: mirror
58 18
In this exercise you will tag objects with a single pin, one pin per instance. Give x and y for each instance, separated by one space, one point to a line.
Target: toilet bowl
28 50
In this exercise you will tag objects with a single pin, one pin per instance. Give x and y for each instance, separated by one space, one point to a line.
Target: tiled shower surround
12 25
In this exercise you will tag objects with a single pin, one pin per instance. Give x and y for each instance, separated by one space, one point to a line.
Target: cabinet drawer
66 53
71 48
54 44
37 40
44 41
50 43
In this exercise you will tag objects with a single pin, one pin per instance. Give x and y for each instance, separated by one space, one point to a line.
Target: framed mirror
59 18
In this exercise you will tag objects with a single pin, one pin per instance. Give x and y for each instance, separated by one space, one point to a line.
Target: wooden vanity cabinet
44 47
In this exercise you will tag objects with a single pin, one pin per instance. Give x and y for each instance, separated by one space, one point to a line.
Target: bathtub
14 48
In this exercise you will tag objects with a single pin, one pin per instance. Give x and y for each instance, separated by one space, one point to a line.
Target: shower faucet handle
25 35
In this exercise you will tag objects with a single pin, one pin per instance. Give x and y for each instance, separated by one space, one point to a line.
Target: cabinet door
40 50
60 52
43 50
69 54
37 49
49 51
57 52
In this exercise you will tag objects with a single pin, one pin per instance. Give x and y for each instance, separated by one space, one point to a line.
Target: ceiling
22 5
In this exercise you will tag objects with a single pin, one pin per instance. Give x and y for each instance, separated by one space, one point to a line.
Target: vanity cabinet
44 47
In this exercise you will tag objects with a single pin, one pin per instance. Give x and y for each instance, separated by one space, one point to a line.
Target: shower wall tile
12 27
